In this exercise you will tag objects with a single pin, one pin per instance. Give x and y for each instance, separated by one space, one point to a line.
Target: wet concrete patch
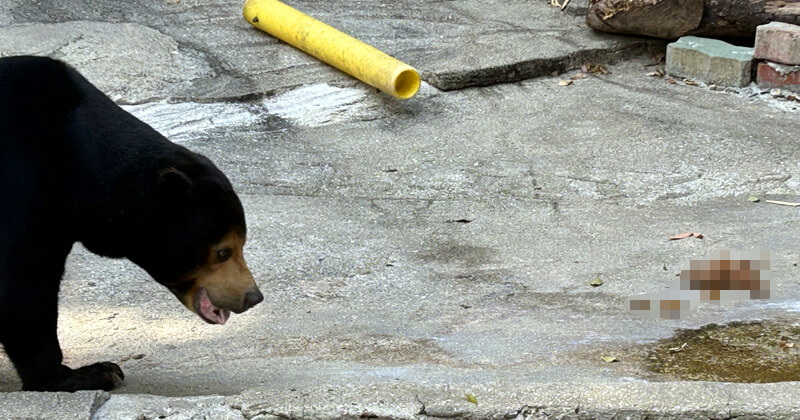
744 352
759 351
578 303
190 120
448 252
322 104
310 106
376 349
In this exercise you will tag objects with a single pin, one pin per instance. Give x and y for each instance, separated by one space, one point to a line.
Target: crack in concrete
246 98
217 65
421 411
528 69
100 399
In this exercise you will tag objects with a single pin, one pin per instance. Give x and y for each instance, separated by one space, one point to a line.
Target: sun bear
75 167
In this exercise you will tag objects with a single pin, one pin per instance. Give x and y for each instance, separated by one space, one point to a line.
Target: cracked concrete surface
376 301
453 44
90 46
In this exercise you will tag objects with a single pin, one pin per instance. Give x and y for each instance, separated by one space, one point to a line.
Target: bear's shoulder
34 90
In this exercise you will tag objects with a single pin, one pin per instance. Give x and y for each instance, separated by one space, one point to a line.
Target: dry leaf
471 398
689 82
564 82
786 345
685 235
610 359
578 76
657 59
596 282
598 69
671 81
132 357
677 349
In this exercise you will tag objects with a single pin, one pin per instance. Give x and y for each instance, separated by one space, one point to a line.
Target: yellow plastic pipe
334 47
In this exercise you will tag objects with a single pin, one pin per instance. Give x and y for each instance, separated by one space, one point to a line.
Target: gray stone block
710 61
79 405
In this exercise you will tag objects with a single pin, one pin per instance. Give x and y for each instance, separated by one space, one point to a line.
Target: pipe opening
406 83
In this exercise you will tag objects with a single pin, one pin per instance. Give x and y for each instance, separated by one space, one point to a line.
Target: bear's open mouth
207 310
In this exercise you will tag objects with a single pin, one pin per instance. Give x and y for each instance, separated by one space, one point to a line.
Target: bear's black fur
74 167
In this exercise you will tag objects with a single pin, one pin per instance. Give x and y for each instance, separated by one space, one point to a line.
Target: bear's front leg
37 356
31 342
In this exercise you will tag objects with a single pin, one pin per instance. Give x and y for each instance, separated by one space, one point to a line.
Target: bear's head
196 233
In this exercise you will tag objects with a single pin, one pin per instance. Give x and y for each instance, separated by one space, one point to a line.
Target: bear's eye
224 254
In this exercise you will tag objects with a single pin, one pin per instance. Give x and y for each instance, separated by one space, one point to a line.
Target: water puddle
759 351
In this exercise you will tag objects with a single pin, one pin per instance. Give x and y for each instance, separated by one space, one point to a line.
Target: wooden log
656 18
671 19
739 18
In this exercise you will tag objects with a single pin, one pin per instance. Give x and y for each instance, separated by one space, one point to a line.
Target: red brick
772 75
778 42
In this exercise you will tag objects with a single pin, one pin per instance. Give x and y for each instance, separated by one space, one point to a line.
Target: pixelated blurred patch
725 276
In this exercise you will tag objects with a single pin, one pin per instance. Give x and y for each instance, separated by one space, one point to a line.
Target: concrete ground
411 253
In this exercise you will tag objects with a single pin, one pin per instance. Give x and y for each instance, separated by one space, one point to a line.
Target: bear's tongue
208 311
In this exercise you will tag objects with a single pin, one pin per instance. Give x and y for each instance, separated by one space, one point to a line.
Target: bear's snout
252 298
223 284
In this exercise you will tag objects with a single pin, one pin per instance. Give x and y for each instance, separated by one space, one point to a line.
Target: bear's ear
173 183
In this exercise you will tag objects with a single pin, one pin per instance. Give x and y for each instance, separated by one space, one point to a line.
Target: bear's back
35 93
